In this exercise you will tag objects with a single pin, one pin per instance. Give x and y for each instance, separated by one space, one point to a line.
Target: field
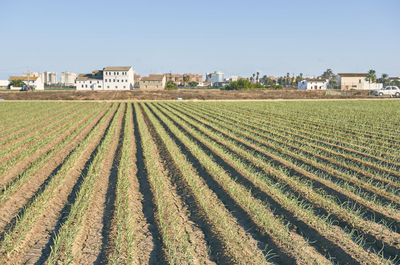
295 182
186 94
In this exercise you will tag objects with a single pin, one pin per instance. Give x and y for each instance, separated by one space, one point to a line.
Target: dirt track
211 94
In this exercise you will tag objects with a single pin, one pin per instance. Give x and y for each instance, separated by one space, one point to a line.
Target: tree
257 78
328 74
193 84
332 82
170 85
299 78
16 83
186 78
371 77
384 79
242 84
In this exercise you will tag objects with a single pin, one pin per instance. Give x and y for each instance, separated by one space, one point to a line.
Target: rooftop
315 80
95 75
153 77
117 68
23 78
353 74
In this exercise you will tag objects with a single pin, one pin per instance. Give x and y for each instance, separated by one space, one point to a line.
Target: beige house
32 81
152 82
181 79
358 81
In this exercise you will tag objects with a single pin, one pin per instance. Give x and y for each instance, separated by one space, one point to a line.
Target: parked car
392 91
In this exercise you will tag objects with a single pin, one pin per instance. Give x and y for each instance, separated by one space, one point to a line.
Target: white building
232 78
50 78
4 83
215 77
68 78
33 81
347 81
110 78
35 74
313 84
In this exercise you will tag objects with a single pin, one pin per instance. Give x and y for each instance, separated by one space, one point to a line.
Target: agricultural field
295 182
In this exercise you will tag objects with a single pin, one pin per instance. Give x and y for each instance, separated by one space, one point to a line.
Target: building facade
110 78
184 79
32 81
358 81
313 84
216 77
50 78
4 83
68 78
152 82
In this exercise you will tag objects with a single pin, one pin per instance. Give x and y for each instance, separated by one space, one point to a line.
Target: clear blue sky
235 37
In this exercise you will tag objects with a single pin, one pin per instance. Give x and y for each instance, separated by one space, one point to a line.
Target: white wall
215 77
4 82
312 85
68 78
91 84
118 80
38 84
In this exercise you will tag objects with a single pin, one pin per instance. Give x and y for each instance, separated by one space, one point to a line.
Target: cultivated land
300 182
186 94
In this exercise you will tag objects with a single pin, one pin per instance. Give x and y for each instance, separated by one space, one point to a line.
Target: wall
118 80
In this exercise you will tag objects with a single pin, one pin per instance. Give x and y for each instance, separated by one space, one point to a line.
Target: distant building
186 78
216 77
50 78
4 83
313 84
33 81
68 78
35 74
153 81
394 79
110 78
358 81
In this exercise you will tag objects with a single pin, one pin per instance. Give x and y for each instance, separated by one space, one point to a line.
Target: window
116 87
108 86
124 86
359 81
99 86
117 80
90 82
114 80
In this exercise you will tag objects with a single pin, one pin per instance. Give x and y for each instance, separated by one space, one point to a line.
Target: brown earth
10 208
34 246
185 94
89 243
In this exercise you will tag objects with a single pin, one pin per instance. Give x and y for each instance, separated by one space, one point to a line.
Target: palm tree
328 73
186 78
384 79
371 77
258 74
